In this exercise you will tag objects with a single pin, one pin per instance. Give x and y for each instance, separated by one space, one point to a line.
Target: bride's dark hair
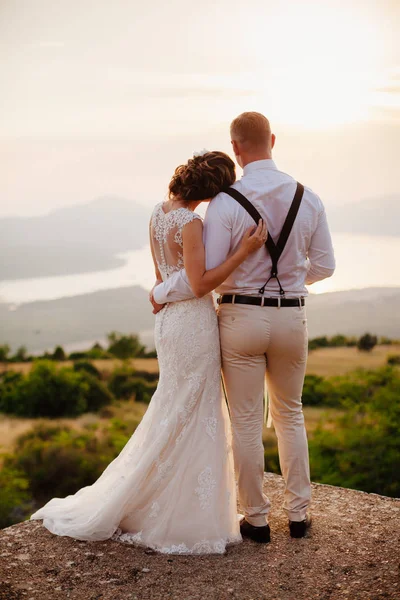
203 177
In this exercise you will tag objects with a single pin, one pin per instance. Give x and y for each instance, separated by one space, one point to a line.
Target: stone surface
352 552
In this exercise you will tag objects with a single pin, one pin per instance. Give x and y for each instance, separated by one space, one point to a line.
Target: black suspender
275 250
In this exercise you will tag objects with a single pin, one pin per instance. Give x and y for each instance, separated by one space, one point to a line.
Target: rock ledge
352 552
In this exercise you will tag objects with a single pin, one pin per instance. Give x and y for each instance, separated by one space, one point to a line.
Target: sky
100 97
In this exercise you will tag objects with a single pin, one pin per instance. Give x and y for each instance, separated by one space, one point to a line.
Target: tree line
119 346
129 346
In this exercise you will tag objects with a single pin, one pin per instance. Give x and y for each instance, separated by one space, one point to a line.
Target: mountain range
77 239
88 237
89 317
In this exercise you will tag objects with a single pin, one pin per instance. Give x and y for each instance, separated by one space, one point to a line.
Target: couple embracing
173 487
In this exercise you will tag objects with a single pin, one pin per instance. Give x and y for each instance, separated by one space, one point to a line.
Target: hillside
89 317
351 552
76 239
44 324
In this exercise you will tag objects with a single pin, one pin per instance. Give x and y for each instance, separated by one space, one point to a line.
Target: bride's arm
201 281
153 254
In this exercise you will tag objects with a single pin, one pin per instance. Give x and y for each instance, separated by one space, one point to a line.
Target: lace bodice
166 234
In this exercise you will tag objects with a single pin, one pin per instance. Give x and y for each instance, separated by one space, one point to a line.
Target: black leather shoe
298 529
262 535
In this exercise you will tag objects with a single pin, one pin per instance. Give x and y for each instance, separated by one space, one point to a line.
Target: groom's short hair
252 128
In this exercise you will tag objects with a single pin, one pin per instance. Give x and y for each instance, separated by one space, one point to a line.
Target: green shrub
47 391
393 359
124 346
59 354
97 395
150 377
88 367
142 390
57 460
10 382
14 496
367 342
125 383
361 448
4 352
319 342
315 391
77 356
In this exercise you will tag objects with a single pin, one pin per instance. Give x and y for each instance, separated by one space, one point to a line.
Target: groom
263 326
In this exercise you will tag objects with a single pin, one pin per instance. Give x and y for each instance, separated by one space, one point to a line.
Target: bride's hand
254 239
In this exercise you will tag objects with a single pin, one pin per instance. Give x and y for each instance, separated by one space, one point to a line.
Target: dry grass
329 362
141 364
326 362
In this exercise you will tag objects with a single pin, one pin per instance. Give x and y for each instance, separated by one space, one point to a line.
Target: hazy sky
100 97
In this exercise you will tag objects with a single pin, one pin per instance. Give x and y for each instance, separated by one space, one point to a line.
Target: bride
172 487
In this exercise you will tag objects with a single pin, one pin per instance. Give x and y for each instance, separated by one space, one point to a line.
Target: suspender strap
290 219
253 212
275 250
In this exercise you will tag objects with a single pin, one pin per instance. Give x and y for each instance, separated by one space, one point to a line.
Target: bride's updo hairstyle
203 177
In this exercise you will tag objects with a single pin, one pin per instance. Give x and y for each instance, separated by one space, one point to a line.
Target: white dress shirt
308 255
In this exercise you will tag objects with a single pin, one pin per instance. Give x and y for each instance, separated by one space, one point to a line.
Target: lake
362 261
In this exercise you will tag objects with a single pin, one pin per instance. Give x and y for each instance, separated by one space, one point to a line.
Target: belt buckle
233 298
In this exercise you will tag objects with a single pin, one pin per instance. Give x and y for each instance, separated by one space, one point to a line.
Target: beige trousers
259 341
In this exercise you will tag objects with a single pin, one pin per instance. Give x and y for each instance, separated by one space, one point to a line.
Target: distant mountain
71 321
376 216
76 239
355 312
68 321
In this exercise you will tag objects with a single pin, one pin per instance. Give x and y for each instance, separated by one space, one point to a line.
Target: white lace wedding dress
172 487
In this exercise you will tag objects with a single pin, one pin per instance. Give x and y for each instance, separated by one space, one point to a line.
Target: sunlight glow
322 72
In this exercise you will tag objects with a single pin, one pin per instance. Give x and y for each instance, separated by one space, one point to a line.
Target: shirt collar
257 165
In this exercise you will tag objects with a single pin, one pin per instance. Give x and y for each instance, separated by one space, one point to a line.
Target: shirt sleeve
321 258
217 232
174 289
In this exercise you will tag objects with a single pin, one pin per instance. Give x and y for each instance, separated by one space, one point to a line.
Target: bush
59 354
10 382
4 352
14 496
367 342
87 367
142 390
125 383
97 395
315 391
151 377
47 391
77 356
125 346
319 342
20 355
57 461
393 359
361 448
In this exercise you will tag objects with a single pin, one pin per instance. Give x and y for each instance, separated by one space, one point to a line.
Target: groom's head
251 138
